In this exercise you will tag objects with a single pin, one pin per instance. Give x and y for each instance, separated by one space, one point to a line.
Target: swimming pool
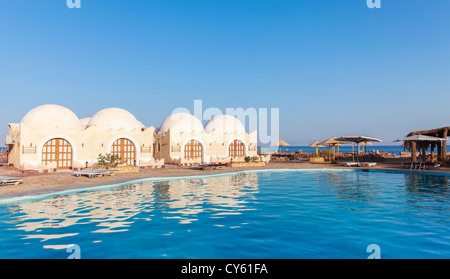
251 214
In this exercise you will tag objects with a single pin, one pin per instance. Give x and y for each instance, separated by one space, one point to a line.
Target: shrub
109 160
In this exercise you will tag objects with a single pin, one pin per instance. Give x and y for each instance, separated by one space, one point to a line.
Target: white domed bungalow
229 140
182 139
53 137
115 119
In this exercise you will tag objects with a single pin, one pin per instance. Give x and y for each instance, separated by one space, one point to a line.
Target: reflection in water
352 185
249 215
427 191
374 189
434 184
117 209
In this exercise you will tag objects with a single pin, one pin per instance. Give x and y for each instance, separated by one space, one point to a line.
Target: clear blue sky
332 67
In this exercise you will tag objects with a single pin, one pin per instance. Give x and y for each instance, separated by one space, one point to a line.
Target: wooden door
57 150
126 150
193 150
236 149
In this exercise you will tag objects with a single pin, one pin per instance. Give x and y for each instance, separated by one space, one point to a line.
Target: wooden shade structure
427 138
418 138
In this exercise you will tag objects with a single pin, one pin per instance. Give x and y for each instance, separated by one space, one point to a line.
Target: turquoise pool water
274 214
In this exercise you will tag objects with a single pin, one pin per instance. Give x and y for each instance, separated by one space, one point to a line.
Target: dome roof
49 117
181 122
115 119
225 124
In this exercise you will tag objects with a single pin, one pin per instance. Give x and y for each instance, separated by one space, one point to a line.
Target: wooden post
439 150
353 154
329 153
334 152
424 152
339 153
444 148
413 151
432 152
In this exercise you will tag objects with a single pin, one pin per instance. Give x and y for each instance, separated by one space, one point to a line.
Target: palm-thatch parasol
281 143
357 139
331 142
316 144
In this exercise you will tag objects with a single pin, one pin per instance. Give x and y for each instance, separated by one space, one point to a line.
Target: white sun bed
6 180
349 164
367 164
94 172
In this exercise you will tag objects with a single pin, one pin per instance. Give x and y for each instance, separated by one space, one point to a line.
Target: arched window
125 149
193 150
57 150
236 149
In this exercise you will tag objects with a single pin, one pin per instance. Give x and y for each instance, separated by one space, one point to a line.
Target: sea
395 149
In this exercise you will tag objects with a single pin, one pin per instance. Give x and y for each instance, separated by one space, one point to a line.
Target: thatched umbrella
357 139
316 144
281 143
332 142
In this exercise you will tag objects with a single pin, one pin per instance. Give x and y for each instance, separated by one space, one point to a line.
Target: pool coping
44 193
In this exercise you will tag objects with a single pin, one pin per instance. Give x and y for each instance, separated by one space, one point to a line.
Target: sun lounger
6 180
210 167
367 164
94 172
349 164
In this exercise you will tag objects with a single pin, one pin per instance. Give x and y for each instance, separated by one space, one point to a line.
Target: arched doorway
236 149
125 149
193 150
57 150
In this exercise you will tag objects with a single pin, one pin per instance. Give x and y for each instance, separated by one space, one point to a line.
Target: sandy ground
34 184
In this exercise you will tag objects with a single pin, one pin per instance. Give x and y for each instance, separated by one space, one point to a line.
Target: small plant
109 160
247 159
